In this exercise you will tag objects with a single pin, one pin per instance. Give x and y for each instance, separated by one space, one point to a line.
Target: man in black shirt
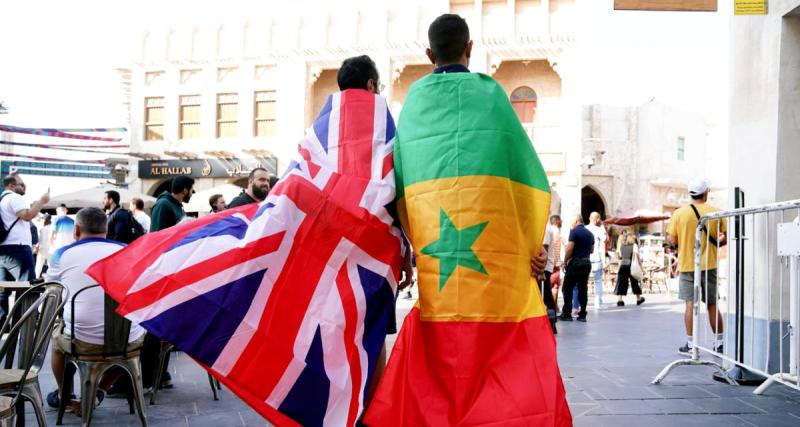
256 191
119 220
576 258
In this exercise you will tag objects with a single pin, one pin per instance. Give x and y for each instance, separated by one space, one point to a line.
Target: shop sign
204 168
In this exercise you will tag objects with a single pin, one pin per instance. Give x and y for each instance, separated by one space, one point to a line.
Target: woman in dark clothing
626 249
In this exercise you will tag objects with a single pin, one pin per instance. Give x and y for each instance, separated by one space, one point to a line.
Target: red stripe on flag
353 356
208 267
438 376
120 271
388 164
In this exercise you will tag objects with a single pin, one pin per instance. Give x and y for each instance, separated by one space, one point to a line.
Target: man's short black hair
113 195
139 203
355 72
62 206
253 173
11 179
448 36
212 201
696 197
181 183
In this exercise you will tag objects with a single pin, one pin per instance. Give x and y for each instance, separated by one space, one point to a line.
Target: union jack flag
286 301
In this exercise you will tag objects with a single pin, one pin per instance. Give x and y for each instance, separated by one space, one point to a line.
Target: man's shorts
63 343
686 286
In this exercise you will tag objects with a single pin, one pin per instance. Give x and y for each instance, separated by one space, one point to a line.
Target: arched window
524 99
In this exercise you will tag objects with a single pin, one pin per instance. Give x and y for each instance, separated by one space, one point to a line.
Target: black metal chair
92 366
30 323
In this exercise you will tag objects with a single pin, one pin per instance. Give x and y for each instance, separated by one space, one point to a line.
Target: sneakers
720 349
620 303
53 400
565 318
685 350
582 319
640 301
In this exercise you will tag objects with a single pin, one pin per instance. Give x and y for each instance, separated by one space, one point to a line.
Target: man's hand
538 263
45 198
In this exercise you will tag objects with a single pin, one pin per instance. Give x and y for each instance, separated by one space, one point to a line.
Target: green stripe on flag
462 124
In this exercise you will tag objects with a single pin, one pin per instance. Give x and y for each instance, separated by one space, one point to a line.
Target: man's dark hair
212 201
448 36
355 72
139 203
181 183
62 206
552 217
696 197
253 172
92 221
11 179
113 195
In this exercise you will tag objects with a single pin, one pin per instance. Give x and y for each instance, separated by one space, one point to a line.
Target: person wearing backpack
681 232
16 254
122 226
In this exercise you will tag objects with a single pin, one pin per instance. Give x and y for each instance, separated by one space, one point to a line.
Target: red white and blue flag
286 301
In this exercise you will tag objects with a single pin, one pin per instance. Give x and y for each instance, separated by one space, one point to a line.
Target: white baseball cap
698 186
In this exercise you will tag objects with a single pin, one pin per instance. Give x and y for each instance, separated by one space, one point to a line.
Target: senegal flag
477 349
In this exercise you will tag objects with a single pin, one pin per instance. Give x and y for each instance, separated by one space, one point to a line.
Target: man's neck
178 197
84 236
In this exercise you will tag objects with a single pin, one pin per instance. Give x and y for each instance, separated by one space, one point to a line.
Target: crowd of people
62 247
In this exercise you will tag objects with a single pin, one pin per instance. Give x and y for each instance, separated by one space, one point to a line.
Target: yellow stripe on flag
515 216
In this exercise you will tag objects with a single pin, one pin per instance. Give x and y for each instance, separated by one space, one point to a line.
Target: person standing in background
16 252
217 203
598 257
61 234
136 207
627 250
44 245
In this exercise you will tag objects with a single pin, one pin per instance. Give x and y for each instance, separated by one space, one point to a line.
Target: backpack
3 231
133 230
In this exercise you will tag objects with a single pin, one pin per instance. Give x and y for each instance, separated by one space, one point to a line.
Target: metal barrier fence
756 308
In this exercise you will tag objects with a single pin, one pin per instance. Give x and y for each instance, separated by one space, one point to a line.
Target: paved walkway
607 365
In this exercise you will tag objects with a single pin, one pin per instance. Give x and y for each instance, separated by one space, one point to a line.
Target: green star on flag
454 248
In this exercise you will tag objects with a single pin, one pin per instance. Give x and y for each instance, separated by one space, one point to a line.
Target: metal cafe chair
38 317
91 367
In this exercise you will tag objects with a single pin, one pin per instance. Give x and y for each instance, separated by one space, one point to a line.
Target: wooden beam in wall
667 5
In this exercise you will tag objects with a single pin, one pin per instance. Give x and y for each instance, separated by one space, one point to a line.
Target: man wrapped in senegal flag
477 349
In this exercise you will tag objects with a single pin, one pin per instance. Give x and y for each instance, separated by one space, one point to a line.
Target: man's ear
468 51
429 54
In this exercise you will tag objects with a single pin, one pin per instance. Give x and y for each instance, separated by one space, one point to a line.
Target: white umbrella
94 197
199 200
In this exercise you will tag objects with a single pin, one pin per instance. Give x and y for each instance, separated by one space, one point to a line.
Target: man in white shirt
68 267
598 256
137 207
16 252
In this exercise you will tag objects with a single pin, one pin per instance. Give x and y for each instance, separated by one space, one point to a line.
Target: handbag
636 266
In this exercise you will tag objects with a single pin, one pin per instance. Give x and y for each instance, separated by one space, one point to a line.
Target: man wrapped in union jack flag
287 302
